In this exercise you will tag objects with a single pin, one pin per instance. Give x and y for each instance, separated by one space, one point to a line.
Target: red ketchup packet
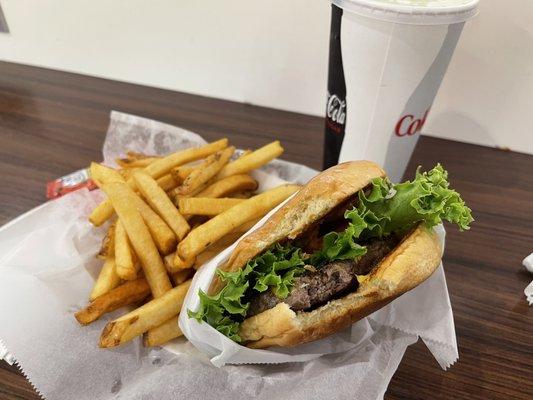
69 183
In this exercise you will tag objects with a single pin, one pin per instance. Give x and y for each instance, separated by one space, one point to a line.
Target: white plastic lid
415 12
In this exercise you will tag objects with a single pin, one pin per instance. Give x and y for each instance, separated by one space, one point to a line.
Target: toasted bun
321 194
408 265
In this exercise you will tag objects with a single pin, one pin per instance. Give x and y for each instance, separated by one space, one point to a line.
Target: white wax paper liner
6 355
47 265
528 291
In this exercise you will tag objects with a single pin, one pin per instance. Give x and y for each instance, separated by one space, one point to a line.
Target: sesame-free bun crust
414 259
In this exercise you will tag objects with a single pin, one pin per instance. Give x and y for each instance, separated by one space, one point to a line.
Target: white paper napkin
47 266
528 291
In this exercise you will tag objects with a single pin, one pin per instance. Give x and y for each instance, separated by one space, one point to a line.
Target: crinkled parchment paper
47 267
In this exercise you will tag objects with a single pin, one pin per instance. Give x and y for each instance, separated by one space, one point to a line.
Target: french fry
160 202
205 205
101 213
135 155
157 169
241 195
246 226
206 255
163 333
213 250
224 223
163 166
181 276
128 293
164 238
144 318
123 199
168 260
168 182
136 162
204 172
102 174
226 186
126 173
245 153
107 249
182 172
125 259
226 241
107 279
181 264
253 160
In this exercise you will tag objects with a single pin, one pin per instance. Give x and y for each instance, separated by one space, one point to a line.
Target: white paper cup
387 60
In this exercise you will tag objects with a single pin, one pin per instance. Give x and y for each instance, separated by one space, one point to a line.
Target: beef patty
320 285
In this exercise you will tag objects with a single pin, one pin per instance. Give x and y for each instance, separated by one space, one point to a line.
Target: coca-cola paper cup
386 62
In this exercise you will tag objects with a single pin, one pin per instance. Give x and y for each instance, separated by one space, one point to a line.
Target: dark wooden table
52 123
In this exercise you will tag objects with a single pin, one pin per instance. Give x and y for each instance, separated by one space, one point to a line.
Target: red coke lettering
408 125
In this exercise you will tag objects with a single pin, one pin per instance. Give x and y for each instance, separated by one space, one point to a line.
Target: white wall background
273 53
487 94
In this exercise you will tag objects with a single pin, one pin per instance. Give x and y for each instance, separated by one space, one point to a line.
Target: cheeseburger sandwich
345 245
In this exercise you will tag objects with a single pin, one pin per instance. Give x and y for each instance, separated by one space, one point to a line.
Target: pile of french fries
167 216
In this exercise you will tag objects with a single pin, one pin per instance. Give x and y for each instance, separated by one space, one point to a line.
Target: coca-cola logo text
408 125
336 109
